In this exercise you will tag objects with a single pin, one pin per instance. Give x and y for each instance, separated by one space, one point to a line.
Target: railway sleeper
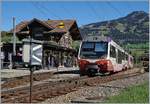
41 98
68 87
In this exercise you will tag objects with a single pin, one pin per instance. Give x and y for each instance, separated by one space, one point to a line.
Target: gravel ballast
100 91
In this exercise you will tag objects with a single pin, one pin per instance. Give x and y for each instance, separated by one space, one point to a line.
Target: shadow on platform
68 72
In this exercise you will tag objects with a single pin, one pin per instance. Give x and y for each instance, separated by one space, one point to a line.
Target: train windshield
94 50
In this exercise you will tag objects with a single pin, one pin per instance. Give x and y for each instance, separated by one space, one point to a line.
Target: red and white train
102 55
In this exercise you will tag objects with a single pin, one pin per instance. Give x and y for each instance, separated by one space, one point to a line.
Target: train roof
97 38
118 47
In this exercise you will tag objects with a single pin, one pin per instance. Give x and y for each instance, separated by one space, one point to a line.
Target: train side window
126 57
123 56
112 52
119 57
131 59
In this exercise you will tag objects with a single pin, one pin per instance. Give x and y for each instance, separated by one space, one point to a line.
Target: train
99 54
145 61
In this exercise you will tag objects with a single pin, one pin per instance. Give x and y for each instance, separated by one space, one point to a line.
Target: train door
117 57
113 55
130 61
120 64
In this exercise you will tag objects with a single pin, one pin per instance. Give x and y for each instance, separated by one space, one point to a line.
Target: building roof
55 23
53 26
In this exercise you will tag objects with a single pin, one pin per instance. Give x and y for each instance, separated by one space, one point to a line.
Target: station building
57 37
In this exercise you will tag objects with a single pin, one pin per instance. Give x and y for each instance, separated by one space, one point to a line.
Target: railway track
53 89
23 80
37 77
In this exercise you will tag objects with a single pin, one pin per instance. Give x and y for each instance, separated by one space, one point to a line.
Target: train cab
101 55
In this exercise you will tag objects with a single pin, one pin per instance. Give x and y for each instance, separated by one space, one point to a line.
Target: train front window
93 50
99 47
87 46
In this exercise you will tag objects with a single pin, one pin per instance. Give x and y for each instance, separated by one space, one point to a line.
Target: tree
7 37
76 45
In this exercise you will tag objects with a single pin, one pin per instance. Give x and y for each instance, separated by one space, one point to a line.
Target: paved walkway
9 73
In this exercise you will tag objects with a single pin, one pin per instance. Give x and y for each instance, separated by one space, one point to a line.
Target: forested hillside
133 28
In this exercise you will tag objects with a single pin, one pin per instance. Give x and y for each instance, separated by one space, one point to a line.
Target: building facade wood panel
57 36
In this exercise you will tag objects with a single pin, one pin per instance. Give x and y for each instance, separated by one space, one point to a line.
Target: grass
134 94
144 45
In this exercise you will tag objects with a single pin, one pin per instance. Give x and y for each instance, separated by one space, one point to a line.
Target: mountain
133 28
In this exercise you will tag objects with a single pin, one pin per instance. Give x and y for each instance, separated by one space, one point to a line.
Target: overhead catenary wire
77 19
67 11
39 9
93 10
113 7
48 10
20 18
119 13
45 11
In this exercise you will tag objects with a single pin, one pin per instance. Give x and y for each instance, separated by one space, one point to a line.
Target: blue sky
83 12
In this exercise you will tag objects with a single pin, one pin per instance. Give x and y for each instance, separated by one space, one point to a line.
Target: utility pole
14 37
31 70
0 49
1 62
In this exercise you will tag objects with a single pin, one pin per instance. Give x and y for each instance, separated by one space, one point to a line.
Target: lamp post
30 64
14 37
31 71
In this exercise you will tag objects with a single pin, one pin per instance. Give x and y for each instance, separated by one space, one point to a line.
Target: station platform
10 73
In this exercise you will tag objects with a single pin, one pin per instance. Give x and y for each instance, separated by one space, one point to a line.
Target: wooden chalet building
57 37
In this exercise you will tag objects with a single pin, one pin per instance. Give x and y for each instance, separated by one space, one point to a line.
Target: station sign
61 25
36 54
32 52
